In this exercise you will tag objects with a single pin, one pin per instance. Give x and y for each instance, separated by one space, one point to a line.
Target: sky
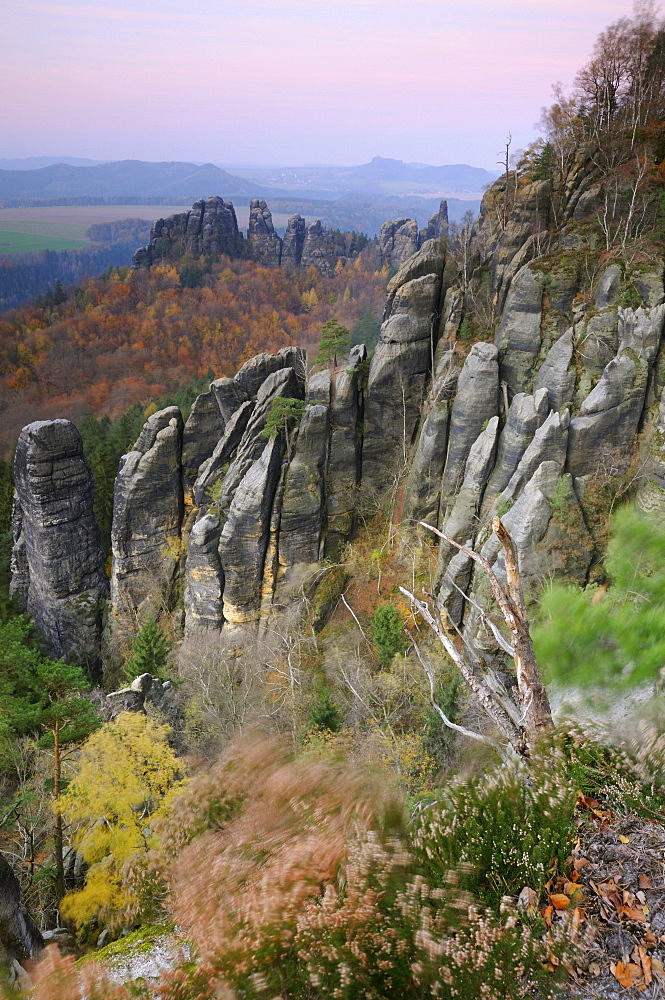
286 82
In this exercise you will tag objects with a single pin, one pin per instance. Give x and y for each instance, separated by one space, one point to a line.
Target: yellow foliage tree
124 772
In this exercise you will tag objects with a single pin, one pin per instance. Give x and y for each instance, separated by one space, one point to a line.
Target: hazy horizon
287 82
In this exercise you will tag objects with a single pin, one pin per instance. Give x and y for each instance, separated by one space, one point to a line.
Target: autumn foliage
134 335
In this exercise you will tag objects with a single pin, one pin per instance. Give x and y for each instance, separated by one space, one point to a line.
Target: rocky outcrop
204 427
148 508
204 577
265 246
302 513
518 335
398 241
400 366
294 241
244 539
57 565
344 462
437 226
210 227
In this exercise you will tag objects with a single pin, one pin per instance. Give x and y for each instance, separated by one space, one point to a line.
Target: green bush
387 632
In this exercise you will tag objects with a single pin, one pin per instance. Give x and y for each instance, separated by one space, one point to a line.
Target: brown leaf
594 969
528 900
580 863
630 913
574 891
559 900
645 962
645 882
626 973
547 914
650 940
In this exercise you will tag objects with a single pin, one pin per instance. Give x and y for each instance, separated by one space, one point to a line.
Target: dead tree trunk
523 720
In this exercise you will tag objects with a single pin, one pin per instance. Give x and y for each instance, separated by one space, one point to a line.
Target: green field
22 242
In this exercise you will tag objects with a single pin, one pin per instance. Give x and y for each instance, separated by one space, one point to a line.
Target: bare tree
520 721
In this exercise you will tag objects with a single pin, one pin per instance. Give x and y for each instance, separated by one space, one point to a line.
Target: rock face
148 506
20 938
57 565
210 228
561 391
265 246
399 368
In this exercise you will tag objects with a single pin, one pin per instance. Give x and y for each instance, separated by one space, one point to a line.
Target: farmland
63 227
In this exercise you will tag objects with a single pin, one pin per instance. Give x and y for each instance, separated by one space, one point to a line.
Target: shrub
388 632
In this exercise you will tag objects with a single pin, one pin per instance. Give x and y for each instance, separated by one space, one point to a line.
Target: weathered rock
319 388
476 402
323 248
230 396
461 522
357 354
398 241
525 416
556 375
204 578
601 438
210 227
518 336
282 383
549 444
437 225
597 345
294 241
399 368
343 463
265 246
651 484
213 469
18 932
147 518
58 564
254 372
202 432
244 538
640 330
303 502
423 488
608 287
455 584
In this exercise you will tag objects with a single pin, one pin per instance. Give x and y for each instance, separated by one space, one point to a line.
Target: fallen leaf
594 968
574 891
624 839
640 895
580 863
626 973
587 801
645 961
630 913
650 940
547 914
645 882
559 900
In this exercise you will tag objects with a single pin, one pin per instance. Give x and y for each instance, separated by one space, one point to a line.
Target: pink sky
286 81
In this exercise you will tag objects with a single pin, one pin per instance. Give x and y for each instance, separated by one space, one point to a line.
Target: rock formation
210 227
20 939
57 563
560 392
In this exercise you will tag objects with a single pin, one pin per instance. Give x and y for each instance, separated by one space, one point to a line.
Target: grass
12 242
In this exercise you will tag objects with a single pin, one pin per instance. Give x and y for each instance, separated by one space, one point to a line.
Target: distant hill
34 162
126 178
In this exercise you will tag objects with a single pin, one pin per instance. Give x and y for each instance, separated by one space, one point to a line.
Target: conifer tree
334 341
150 650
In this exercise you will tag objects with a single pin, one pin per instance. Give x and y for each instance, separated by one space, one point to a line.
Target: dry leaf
650 940
547 914
624 839
559 900
580 863
630 913
574 891
528 900
645 882
594 969
626 973
645 961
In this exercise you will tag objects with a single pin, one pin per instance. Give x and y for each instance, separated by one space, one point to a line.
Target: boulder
57 562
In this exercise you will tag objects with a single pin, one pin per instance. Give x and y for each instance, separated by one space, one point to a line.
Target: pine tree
150 650
334 341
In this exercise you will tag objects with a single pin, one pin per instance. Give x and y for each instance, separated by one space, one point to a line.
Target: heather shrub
502 832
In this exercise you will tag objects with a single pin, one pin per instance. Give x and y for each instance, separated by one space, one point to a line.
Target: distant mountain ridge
128 178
